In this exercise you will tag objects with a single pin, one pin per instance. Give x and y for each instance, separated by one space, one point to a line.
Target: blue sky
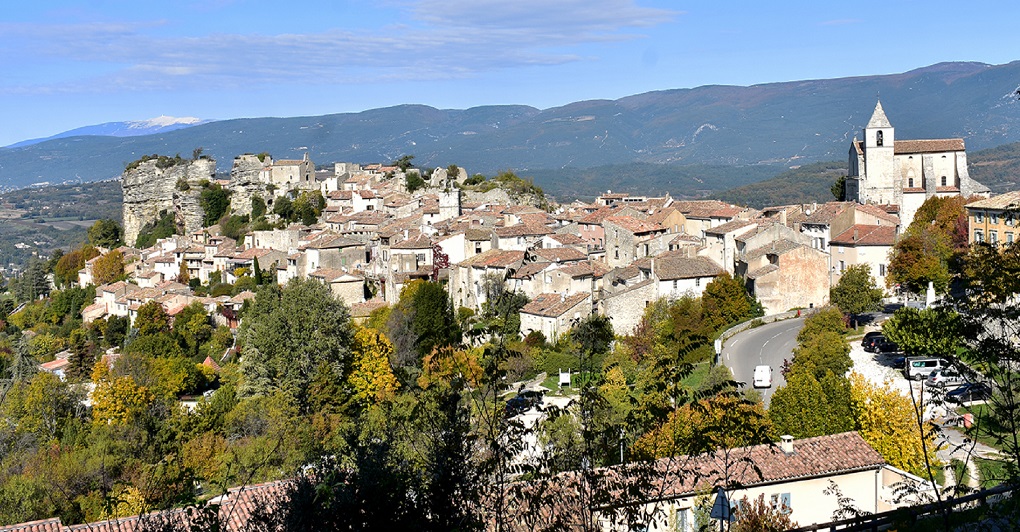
76 63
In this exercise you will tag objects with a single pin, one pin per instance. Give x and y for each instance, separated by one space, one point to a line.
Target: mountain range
762 128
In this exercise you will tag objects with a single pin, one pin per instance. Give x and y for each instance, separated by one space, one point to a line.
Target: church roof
928 146
878 118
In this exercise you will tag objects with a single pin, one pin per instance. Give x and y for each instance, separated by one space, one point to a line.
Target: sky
69 64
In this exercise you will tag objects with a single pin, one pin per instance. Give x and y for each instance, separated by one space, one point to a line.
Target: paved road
767 345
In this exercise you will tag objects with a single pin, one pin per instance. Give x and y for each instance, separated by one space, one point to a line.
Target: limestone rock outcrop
247 180
150 189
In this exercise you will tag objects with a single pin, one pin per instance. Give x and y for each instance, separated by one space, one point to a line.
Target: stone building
883 170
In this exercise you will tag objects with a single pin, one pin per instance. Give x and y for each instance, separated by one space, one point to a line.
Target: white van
918 368
762 376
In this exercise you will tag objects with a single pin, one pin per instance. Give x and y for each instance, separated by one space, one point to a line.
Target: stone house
554 314
519 237
628 239
785 275
624 300
468 278
676 274
346 287
291 174
720 242
702 215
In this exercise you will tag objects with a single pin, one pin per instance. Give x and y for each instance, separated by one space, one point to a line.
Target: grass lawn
992 472
986 428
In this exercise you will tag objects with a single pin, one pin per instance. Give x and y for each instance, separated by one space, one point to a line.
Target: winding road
767 345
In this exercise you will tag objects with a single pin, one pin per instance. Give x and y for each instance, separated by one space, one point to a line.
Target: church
885 171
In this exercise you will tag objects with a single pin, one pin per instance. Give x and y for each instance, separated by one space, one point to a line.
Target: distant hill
792 123
806 184
997 168
133 128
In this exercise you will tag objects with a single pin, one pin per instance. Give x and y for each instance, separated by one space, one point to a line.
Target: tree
66 270
929 332
887 420
108 268
758 516
371 378
823 352
930 248
805 407
404 162
856 293
215 201
284 208
721 422
105 233
192 328
828 319
287 332
414 181
152 319
725 302
258 207
838 188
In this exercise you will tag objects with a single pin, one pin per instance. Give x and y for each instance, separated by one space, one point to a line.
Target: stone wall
149 190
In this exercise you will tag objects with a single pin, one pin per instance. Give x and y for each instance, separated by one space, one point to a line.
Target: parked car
868 336
522 402
763 376
898 362
918 368
948 376
886 346
871 344
971 391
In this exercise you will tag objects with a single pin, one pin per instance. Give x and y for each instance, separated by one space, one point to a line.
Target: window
881 270
993 237
617 253
979 236
994 217
979 217
478 247
910 183
1009 218
697 281
840 249
674 285
1009 237
842 266
878 138
420 257
943 180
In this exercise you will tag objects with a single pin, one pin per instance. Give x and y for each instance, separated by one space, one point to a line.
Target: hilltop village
379 227
370 312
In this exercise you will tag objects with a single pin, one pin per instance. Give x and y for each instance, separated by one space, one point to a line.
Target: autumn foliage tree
930 248
67 268
108 268
371 378
720 422
887 420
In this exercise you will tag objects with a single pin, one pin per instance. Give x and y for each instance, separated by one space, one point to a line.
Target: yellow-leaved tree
886 419
117 400
372 377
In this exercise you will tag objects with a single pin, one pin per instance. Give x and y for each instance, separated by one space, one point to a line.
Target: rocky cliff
163 185
247 180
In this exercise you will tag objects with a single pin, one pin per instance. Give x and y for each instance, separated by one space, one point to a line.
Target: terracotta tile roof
777 247
210 363
729 227
633 224
825 212
417 242
251 253
501 258
567 239
363 309
562 254
553 305
522 230
867 235
327 274
928 146
531 269
674 265
878 212
598 216
1004 201
705 208
476 235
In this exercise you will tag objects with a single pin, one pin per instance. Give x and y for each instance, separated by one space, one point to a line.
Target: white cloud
444 39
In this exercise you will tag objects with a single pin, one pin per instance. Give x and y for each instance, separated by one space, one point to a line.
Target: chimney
855 234
786 444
